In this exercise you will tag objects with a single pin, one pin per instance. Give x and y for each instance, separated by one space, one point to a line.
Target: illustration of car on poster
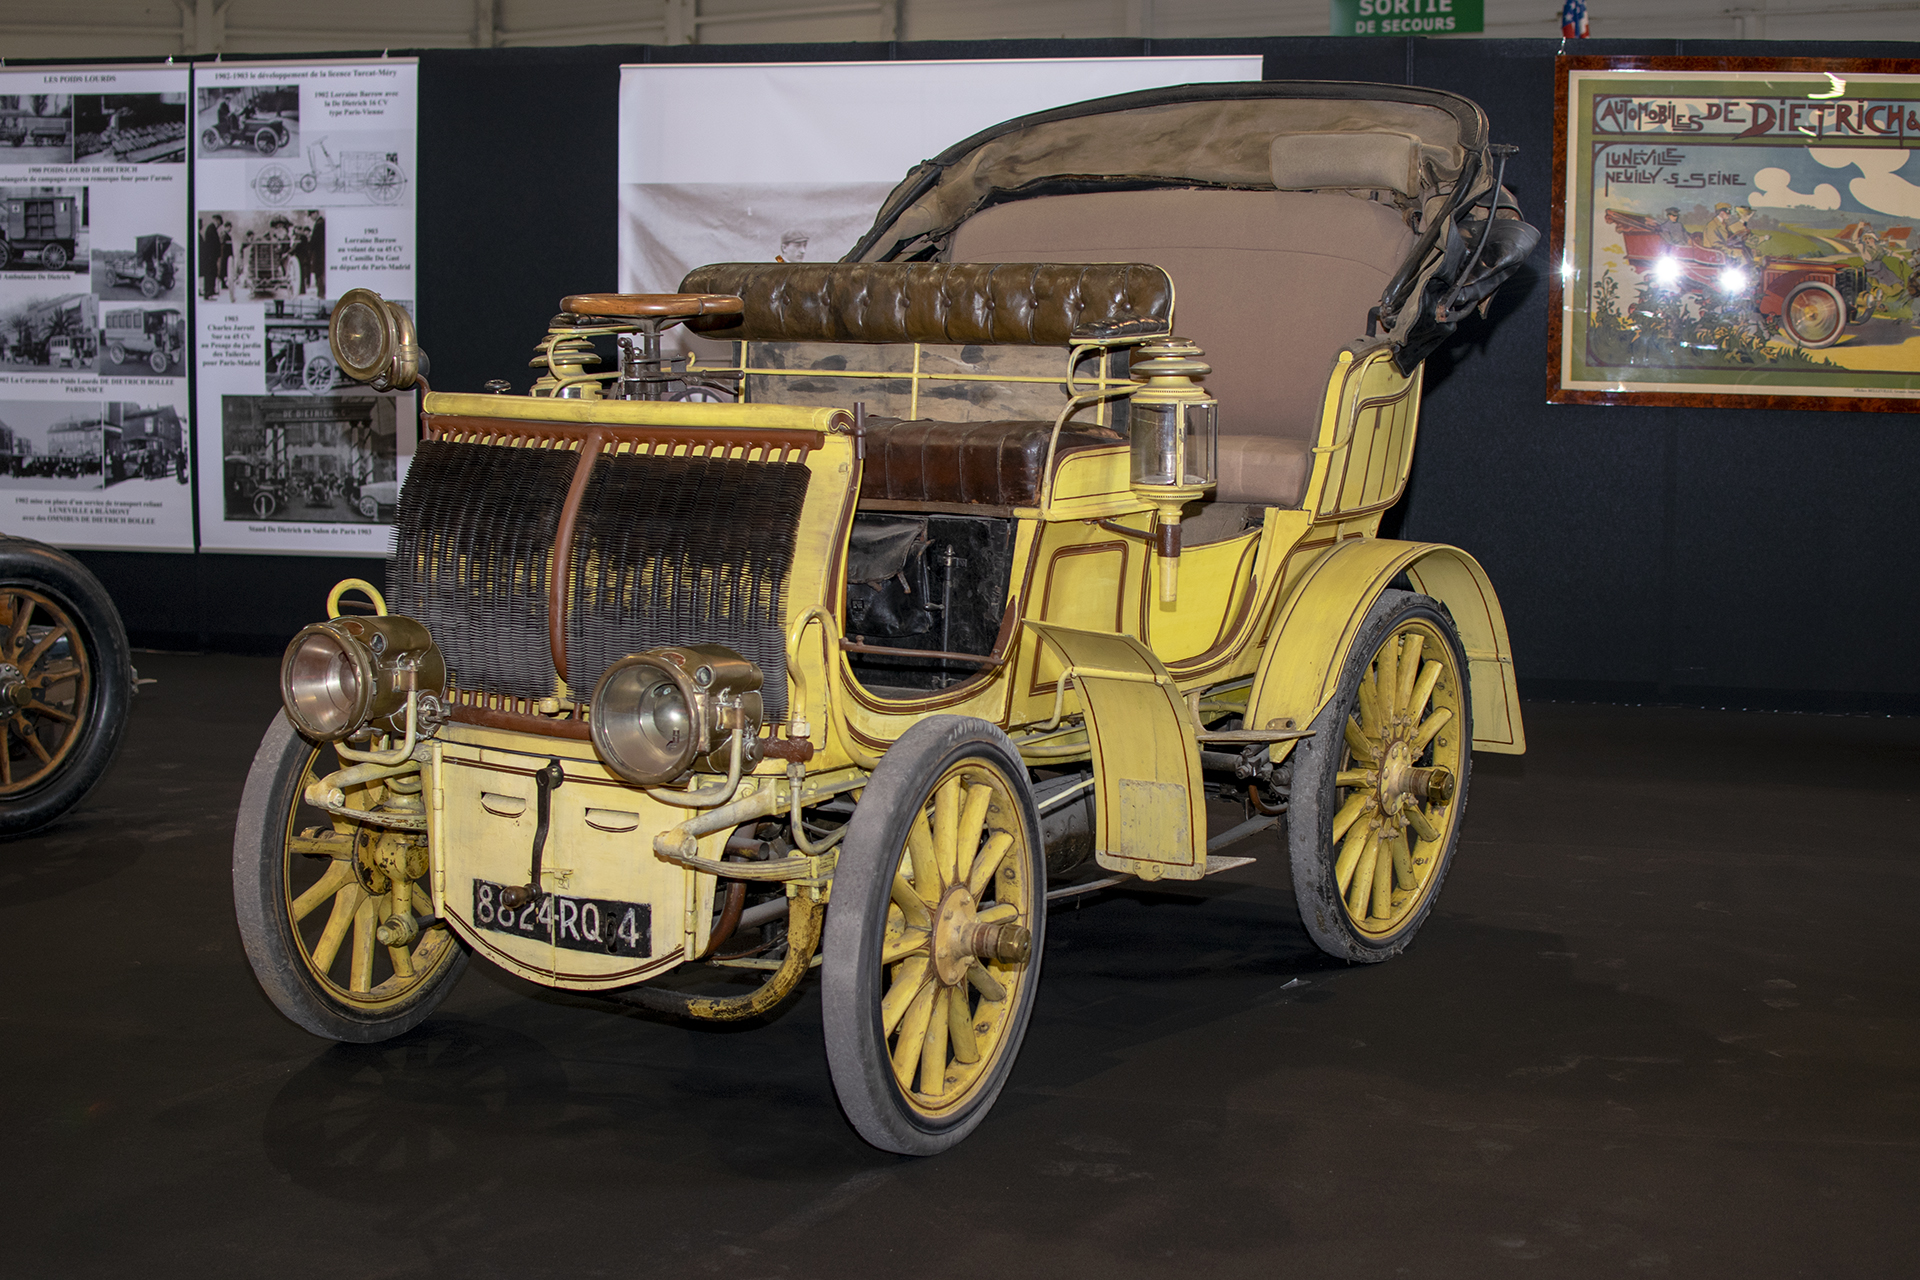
151 267
40 227
130 128
38 128
40 331
1005 580
373 176
153 336
260 118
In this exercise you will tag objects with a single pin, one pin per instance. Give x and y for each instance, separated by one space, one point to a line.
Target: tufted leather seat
1023 303
990 463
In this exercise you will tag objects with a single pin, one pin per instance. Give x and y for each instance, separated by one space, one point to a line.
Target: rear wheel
1379 790
933 943
65 683
1815 315
311 893
53 257
116 353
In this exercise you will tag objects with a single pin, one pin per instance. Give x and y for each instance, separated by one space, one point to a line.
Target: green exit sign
1407 17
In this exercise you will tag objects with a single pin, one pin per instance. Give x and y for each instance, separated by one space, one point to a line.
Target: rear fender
1318 623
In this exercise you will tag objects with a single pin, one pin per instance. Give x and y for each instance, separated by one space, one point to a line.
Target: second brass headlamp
660 715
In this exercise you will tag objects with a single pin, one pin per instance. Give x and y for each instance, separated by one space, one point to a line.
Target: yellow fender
1319 620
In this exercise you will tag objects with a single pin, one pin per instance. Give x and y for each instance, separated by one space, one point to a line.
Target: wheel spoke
6 756
984 982
1350 854
1357 742
946 828
402 961
909 941
989 862
1403 864
1409 673
1422 824
1354 778
1417 702
913 1036
908 979
1350 812
960 1034
1362 887
360 977
32 739
908 900
41 708
1386 677
1369 702
22 613
1383 884
338 876
1434 723
996 913
344 905
33 655
933 1056
967 839
926 868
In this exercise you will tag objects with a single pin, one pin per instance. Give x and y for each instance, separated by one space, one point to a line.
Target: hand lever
544 781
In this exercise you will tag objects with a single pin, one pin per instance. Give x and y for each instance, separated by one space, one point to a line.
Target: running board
1231 836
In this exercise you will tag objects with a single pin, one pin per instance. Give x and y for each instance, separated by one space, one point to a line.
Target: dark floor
1665 1022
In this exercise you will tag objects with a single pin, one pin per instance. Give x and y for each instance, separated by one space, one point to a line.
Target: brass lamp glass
1174 428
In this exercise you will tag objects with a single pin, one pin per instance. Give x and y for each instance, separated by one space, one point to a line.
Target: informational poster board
93 307
749 162
303 190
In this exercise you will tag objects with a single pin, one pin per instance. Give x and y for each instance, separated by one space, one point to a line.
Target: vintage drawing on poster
304 191
1744 233
94 437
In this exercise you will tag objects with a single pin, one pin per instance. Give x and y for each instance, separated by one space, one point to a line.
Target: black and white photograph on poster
298 359
154 268
257 119
252 255
76 447
130 128
310 459
339 170
36 128
48 332
142 342
44 228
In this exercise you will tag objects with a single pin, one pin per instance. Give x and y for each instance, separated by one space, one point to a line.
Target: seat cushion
1271 283
1269 471
986 463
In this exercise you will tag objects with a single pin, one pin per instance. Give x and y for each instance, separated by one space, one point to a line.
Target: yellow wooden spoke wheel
934 937
65 682
335 913
1379 790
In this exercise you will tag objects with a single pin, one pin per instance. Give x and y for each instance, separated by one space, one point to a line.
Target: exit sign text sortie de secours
1406 17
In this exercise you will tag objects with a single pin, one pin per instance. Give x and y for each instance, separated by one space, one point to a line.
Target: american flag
1573 20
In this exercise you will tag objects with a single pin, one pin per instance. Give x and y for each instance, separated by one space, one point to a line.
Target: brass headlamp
1174 429
660 715
373 341
348 674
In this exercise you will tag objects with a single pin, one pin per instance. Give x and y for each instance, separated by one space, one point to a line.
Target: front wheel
266 141
311 893
1815 315
157 361
65 683
1379 790
933 943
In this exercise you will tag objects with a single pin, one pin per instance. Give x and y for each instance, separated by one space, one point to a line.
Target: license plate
600 925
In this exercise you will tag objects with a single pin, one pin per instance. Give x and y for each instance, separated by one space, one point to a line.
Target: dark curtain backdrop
1750 558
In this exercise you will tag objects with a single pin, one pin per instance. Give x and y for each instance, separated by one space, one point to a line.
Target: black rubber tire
267 140
54 257
1312 805
850 973
266 927
24 562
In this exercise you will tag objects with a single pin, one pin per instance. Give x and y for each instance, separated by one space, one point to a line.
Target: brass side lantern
1175 434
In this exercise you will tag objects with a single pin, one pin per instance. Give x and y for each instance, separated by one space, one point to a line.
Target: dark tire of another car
149 287
1380 789
66 680
266 141
53 257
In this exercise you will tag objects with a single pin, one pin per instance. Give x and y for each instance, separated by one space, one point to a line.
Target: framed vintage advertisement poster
1736 232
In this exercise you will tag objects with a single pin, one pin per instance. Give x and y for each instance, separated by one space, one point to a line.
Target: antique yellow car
931 585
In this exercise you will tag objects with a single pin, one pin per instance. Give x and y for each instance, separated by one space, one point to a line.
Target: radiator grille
473 542
683 550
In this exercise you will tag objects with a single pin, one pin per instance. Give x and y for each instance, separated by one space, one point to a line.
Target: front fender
1320 618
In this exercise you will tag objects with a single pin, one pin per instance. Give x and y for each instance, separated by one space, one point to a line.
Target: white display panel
94 436
756 161
303 189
